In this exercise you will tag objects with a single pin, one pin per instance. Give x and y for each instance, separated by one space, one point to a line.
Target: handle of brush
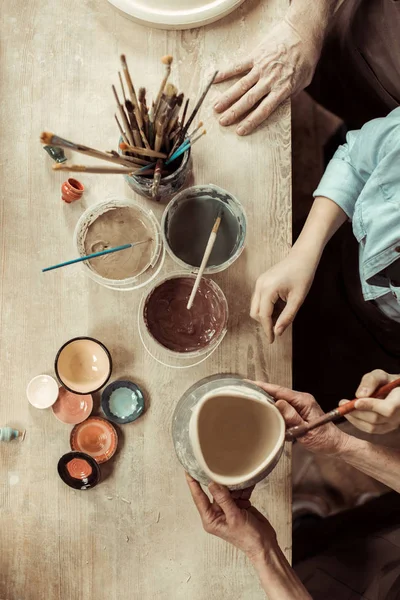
182 148
296 432
208 250
88 257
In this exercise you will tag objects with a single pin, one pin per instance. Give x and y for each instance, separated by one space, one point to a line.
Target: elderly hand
375 415
282 65
298 408
232 517
290 281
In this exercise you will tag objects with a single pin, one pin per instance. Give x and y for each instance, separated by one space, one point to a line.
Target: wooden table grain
137 535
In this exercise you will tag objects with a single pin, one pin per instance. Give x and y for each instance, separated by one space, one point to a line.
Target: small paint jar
72 190
187 223
108 278
169 184
83 365
159 340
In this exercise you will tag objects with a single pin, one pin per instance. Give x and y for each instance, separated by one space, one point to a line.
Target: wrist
311 19
343 444
270 555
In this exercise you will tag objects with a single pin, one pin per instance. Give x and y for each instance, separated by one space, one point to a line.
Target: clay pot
228 430
71 190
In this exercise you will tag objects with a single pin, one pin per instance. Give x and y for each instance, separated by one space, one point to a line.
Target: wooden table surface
137 535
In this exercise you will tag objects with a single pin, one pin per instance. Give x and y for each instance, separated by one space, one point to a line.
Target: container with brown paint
228 430
175 335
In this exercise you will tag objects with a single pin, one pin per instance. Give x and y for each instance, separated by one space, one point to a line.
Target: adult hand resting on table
283 64
232 517
375 415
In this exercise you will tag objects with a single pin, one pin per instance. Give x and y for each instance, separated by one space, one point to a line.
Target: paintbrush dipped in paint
206 257
95 255
300 430
184 147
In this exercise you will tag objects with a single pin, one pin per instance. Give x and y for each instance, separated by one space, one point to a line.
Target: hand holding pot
234 520
298 408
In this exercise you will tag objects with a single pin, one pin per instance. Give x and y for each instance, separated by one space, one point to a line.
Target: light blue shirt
363 178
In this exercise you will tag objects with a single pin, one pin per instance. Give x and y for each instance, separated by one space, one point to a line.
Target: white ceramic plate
176 14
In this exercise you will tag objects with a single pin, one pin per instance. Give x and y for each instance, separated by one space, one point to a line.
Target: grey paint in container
187 223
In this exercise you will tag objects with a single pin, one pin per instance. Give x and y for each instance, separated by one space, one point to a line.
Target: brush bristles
46 137
167 60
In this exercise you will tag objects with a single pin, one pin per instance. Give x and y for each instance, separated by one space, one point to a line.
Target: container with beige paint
113 223
228 430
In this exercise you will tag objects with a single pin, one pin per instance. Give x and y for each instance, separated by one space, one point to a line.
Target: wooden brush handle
300 430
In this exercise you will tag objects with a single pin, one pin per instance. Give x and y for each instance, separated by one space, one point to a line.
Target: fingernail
279 330
363 391
343 402
241 130
224 121
217 105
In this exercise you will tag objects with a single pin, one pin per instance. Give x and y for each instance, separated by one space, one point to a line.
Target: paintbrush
184 147
184 113
122 132
124 118
142 151
300 430
54 140
95 254
206 257
157 178
122 86
134 100
104 170
133 123
198 105
167 61
175 114
144 110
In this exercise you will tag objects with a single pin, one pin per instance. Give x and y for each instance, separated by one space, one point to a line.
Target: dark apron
337 335
358 75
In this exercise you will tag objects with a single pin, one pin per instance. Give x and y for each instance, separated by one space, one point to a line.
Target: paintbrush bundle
154 135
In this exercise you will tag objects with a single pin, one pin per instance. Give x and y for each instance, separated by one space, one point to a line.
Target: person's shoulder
382 135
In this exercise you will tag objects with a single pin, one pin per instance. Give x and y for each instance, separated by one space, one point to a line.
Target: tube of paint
7 434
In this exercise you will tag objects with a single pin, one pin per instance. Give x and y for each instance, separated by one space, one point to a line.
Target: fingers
234 71
371 427
303 403
223 498
246 101
262 112
243 494
291 416
387 407
259 516
371 381
200 498
288 314
261 310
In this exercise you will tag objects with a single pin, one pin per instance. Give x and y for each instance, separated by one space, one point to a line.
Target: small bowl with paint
187 335
187 223
122 402
71 408
83 365
95 437
113 223
172 181
42 391
78 470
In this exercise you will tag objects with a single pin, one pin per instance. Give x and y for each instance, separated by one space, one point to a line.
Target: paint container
178 337
71 408
187 223
226 429
83 365
72 190
79 470
42 391
169 184
122 402
95 437
7 434
113 223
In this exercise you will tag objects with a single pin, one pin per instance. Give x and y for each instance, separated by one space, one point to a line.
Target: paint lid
78 470
72 408
42 391
122 402
96 437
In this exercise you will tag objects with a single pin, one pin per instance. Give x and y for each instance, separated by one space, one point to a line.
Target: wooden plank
57 64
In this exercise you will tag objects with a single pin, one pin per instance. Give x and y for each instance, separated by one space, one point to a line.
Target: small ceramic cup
83 365
72 190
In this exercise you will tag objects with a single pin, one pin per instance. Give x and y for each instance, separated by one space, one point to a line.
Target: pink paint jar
71 190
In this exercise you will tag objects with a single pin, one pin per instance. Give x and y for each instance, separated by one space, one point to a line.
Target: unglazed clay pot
228 430
71 190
